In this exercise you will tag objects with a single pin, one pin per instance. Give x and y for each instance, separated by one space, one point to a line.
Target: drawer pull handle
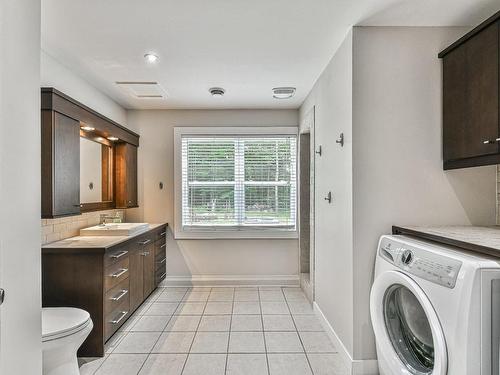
145 254
119 273
489 142
162 261
145 242
162 246
118 255
123 314
119 296
163 276
163 234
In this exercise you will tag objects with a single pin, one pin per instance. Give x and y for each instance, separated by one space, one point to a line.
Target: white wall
332 98
20 314
54 74
204 259
397 175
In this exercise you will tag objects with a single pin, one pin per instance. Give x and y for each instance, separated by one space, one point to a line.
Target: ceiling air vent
217 92
143 89
283 92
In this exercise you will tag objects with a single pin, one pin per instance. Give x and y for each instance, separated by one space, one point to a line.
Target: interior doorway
306 201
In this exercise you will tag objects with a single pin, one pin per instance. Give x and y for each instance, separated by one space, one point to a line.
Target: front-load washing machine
435 309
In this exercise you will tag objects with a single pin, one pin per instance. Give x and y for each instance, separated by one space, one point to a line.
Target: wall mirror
96 173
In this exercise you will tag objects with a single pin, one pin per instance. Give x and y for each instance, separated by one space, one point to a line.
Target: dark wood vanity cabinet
471 101
126 175
108 282
60 165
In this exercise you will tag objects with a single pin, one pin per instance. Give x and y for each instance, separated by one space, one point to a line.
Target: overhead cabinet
471 101
60 165
125 175
61 121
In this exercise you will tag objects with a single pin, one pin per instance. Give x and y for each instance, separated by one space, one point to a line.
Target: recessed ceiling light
100 139
283 92
111 138
87 128
151 58
217 92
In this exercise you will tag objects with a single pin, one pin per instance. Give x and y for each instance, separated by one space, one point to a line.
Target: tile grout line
196 332
263 331
298 334
152 348
229 335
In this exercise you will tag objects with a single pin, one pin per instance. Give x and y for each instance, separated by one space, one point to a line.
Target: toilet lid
62 321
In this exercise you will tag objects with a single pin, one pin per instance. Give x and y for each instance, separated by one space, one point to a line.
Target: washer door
406 326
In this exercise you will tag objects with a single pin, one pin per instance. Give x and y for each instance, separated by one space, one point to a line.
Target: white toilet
64 329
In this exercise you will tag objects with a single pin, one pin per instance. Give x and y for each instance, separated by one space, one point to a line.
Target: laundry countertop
485 240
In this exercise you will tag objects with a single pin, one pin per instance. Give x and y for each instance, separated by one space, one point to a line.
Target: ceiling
246 47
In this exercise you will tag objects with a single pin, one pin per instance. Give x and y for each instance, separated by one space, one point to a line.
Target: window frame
218 232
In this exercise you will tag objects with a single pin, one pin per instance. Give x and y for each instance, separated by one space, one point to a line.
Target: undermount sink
115 229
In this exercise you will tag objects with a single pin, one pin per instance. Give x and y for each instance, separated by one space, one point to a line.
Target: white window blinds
238 183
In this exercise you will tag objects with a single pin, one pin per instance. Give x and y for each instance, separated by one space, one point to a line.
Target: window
236 185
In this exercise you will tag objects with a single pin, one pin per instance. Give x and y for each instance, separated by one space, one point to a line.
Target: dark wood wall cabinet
108 282
125 175
61 119
471 98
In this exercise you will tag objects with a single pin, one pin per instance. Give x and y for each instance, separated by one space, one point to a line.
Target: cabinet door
131 176
66 172
149 269
471 97
126 175
136 265
482 92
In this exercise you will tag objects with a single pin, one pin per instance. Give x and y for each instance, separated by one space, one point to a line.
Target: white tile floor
220 331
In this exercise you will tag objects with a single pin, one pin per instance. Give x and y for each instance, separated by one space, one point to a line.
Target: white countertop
85 242
488 237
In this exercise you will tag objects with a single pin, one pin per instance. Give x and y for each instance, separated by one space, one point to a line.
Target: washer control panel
422 263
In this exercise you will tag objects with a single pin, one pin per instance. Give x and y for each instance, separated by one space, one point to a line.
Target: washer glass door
409 329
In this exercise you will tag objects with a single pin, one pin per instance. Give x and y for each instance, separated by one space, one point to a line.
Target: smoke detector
217 92
283 92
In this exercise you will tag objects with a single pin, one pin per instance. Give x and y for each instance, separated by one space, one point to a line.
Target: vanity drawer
160 263
160 251
161 273
161 233
116 273
116 318
115 296
115 255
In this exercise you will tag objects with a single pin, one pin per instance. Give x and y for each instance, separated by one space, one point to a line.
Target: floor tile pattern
220 331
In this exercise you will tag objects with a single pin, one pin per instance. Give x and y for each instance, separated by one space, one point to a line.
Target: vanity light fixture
283 92
111 138
217 92
87 128
151 58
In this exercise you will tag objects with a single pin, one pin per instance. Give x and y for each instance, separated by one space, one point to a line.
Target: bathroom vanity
108 276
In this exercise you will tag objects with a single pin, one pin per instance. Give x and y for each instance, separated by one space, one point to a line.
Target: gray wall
332 97
396 167
204 260
20 321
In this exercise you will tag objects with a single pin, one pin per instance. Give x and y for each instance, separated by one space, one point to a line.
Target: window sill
236 235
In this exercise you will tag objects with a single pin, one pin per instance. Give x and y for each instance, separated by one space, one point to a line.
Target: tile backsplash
65 227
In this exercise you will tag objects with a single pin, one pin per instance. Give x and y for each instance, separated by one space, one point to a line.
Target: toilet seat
58 322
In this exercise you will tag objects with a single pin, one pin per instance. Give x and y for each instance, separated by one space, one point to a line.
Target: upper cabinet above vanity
471 101
89 162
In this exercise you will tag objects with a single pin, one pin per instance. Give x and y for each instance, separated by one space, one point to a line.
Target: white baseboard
232 280
355 366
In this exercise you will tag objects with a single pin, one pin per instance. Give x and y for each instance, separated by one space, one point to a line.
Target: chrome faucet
108 218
